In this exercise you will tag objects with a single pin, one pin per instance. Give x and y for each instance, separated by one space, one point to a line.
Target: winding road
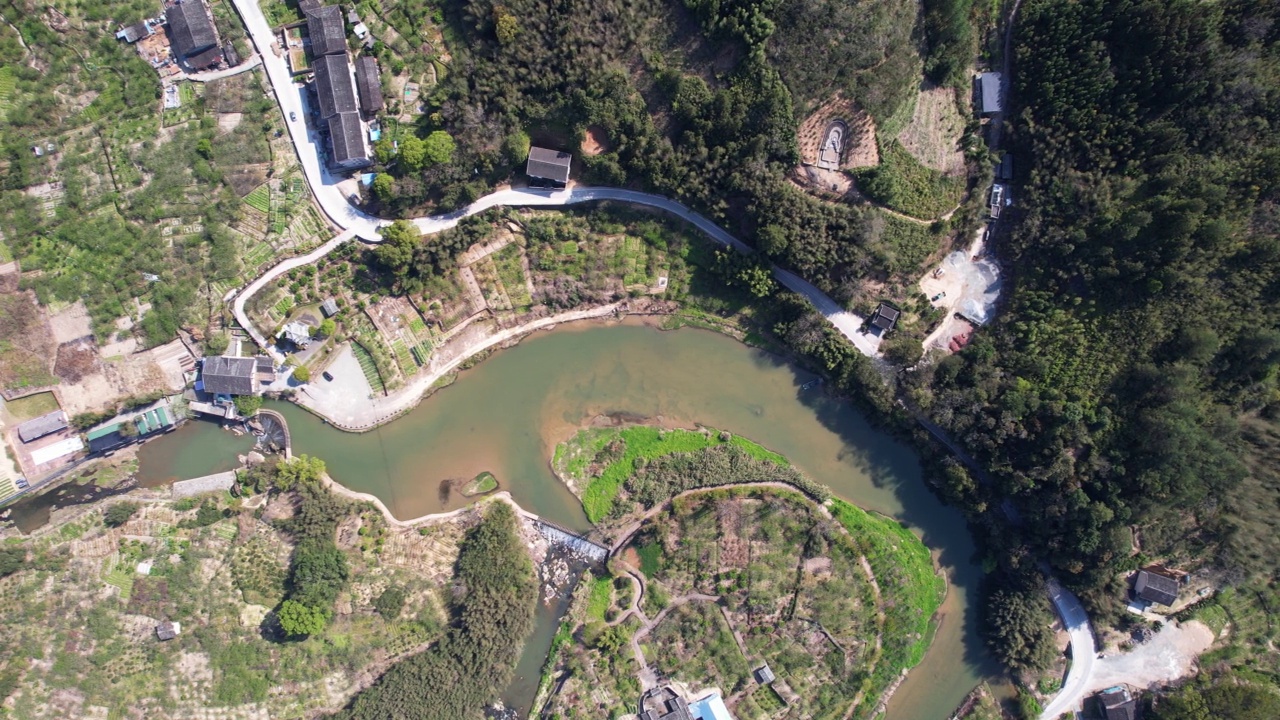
294 103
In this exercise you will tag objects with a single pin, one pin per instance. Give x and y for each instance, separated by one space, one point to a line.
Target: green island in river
726 560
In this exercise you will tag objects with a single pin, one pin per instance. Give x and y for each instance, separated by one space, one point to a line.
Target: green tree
505 25
439 148
248 405
302 374
384 150
12 559
413 153
390 603
327 328
119 514
1017 624
384 187
297 619
903 350
218 343
297 471
395 254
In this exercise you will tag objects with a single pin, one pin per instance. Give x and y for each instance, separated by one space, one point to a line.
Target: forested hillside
695 102
1143 319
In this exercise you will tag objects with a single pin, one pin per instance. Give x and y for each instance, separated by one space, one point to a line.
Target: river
507 414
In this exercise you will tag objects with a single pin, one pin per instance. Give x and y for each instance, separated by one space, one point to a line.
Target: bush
390 602
119 514
12 559
302 374
298 619
248 405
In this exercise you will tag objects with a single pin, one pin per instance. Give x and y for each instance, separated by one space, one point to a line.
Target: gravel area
1170 655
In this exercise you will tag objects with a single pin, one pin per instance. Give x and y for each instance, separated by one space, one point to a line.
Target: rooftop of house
189 27
369 83
336 92
41 426
1118 703
1156 588
329 307
989 85
885 317
224 375
346 137
549 164
327 31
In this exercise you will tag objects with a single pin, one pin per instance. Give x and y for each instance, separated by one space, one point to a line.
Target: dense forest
698 103
494 596
1143 319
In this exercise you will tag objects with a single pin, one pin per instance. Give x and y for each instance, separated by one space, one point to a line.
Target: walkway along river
507 414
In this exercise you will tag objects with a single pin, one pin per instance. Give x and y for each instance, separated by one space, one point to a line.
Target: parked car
327 376
293 117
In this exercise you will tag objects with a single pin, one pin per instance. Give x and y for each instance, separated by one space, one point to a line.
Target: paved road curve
1084 653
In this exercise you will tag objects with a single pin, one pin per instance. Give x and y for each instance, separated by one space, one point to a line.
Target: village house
369 83
191 33
1154 587
222 375
297 333
41 426
1117 703
168 630
549 165
990 97
327 32
885 318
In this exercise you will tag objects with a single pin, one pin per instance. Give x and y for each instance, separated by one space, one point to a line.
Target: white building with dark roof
222 375
41 426
551 165
190 29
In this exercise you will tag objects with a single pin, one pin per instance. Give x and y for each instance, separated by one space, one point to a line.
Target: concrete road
1084 653
293 99
245 66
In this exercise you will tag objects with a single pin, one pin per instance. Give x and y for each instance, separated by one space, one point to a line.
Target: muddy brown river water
507 414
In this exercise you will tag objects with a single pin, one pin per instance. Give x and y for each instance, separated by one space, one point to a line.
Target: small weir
575 543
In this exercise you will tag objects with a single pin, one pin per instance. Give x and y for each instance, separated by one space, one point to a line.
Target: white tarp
710 708
56 450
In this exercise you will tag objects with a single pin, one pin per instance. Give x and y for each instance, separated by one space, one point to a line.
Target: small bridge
576 543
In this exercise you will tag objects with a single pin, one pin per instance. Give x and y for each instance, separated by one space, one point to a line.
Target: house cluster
665 704
347 96
189 42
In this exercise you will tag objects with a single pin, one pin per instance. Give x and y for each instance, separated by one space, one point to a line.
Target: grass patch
640 442
601 598
260 198
904 570
32 406
650 559
900 182
369 367
904 246
483 483
511 272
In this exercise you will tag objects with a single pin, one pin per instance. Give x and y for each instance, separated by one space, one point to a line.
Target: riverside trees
459 676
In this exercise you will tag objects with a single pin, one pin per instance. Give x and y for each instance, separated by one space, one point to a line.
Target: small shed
1155 588
41 426
1118 703
134 33
552 165
329 308
885 318
990 93
764 674
168 630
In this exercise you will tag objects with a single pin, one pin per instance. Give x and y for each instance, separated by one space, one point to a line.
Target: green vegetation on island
738 577
650 465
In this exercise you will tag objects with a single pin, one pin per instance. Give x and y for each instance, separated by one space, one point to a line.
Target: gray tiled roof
548 164
229 375
989 83
369 84
41 426
346 138
190 30
327 31
334 88
1156 588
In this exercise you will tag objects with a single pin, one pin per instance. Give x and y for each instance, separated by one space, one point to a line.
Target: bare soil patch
71 324
597 141
76 359
859 146
933 135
